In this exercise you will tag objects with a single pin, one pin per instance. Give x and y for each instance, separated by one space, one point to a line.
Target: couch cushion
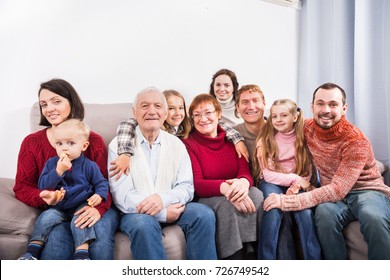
12 246
173 241
102 118
357 248
16 217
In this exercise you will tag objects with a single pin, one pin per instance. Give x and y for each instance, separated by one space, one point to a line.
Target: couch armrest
15 216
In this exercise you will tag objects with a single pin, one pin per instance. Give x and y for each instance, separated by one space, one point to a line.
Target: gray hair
148 90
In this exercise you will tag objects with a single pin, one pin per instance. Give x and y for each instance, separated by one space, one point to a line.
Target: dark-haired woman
59 101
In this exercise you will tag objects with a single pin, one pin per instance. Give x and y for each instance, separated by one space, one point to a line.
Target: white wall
109 50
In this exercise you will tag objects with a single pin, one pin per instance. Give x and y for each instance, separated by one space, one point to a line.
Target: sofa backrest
102 118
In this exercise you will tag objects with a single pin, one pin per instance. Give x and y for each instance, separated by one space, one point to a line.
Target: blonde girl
177 122
283 165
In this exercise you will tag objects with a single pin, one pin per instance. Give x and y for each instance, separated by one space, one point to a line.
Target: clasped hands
274 200
236 191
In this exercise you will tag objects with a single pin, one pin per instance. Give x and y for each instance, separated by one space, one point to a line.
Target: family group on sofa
238 183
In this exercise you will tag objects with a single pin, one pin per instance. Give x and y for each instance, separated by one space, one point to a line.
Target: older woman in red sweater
222 180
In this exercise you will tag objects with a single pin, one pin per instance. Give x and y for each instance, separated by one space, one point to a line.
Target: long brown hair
269 149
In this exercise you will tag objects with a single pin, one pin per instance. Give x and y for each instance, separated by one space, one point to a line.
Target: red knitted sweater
214 160
345 160
35 151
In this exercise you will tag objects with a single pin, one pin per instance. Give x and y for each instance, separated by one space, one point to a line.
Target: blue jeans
197 222
270 230
52 217
371 208
60 243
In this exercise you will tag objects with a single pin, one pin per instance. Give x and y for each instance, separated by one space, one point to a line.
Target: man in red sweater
351 185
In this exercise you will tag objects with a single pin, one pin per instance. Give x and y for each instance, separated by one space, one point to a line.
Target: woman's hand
119 166
242 150
239 189
272 201
87 217
246 205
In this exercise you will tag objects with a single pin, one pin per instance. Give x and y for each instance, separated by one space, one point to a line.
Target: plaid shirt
126 135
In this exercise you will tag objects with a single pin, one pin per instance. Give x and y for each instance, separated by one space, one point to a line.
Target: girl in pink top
283 165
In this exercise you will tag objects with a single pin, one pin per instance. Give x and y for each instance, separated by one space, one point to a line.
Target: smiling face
176 110
206 119
223 87
328 107
282 118
55 108
251 106
150 111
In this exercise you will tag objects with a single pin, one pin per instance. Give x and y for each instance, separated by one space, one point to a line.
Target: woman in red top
58 102
222 180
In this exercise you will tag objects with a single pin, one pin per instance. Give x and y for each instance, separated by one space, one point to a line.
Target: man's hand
151 205
119 166
242 150
174 211
272 201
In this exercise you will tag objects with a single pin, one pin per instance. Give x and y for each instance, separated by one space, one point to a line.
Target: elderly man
159 187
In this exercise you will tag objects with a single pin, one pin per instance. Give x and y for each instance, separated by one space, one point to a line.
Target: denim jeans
197 222
270 230
371 208
52 217
60 243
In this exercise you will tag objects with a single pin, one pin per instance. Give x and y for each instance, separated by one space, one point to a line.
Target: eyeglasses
198 116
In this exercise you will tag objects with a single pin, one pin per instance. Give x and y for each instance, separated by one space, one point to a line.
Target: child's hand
63 164
242 150
294 189
94 200
119 166
52 197
305 184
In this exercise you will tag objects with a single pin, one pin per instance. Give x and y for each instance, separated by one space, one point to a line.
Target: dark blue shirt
80 182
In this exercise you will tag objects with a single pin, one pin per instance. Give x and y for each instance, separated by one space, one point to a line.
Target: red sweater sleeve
31 160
